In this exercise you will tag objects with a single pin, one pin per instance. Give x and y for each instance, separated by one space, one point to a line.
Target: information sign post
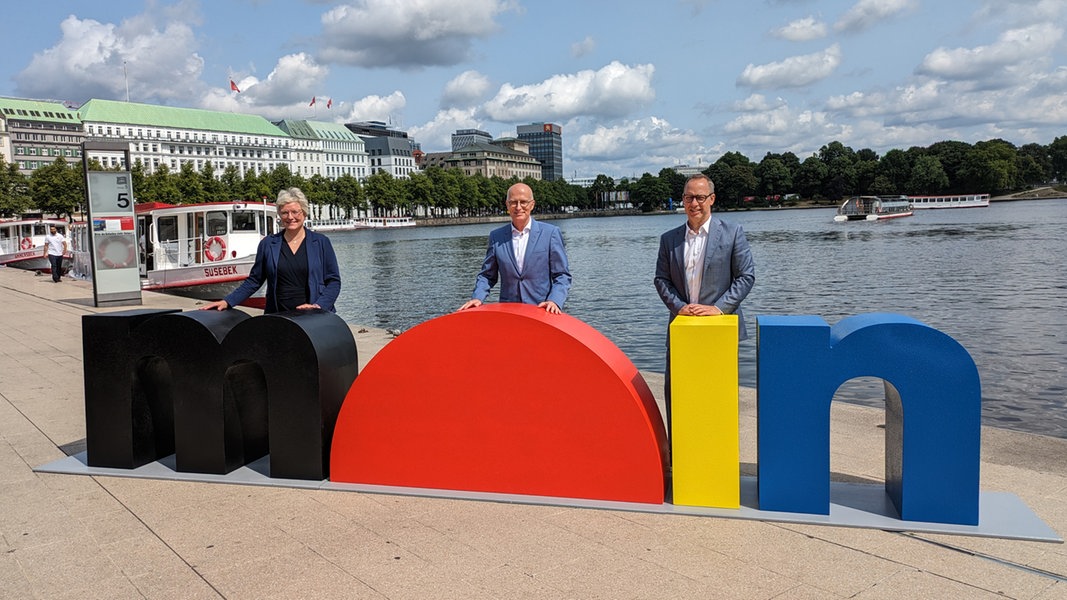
113 238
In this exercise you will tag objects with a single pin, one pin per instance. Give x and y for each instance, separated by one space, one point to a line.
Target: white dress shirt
696 243
518 243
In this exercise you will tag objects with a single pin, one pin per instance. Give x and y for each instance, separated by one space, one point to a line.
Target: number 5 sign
113 238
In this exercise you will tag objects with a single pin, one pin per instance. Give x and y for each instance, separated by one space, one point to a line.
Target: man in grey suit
527 256
705 266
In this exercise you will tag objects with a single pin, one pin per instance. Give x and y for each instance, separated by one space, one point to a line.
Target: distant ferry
22 243
873 208
321 225
961 201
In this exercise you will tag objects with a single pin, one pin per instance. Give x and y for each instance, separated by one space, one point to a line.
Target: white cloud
407 33
465 89
377 108
584 47
88 61
801 30
643 138
1021 48
867 13
795 71
756 102
613 91
436 136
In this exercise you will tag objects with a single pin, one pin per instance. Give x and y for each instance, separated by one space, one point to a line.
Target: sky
636 86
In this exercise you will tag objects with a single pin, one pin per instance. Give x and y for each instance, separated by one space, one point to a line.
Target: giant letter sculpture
933 412
503 398
218 389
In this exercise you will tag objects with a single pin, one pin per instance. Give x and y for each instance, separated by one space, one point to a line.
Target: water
992 278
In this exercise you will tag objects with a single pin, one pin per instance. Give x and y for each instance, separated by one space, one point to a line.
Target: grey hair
711 184
291 195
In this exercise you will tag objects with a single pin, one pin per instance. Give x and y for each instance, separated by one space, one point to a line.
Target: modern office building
163 135
35 133
546 145
466 137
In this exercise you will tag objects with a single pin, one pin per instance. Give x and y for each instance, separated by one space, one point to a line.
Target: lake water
994 279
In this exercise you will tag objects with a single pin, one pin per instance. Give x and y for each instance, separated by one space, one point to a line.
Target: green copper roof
296 128
333 131
37 110
131 113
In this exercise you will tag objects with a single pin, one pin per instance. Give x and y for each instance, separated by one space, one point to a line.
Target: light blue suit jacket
729 271
324 278
545 274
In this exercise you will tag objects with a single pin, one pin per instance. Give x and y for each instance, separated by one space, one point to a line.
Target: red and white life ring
26 243
116 252
211 254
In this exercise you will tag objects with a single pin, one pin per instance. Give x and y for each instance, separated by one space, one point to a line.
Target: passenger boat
201 251
961 201
22 243
322 225
873 208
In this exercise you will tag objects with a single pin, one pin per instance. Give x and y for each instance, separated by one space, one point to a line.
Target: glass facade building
546 145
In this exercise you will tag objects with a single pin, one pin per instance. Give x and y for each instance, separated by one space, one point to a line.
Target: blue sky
637 86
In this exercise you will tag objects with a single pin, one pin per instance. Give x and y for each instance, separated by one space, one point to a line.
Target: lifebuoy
210 254
26 243
119 258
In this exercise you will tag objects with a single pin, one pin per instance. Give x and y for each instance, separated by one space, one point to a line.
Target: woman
298 265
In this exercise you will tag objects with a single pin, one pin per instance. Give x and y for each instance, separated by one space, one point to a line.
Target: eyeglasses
291 214
698 198
522 203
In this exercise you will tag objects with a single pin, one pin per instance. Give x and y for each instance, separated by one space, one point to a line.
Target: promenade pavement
71 536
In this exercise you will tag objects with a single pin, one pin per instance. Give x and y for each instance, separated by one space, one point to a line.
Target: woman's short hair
291 195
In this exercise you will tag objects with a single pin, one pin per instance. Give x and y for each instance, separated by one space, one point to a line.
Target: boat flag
312 101
233 86
329 102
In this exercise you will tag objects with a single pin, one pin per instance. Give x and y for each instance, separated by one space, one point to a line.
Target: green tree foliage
649 193
14 190
1057 154
927 176
58 188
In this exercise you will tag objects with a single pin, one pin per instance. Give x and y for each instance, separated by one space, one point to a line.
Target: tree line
834 172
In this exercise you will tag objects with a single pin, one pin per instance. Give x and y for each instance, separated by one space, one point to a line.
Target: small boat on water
201 251
960 201
873 208
325 225
22 243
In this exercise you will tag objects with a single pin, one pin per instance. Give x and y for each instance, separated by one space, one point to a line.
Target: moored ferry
873 208
322 225
22 243
960 201
201 251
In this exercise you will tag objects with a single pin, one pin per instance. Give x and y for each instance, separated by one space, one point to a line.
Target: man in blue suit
527 257
704 267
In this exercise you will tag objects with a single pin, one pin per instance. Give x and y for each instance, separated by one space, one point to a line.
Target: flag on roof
233 86
329 102
312 101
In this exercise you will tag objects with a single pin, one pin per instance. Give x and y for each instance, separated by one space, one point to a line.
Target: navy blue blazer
545 274
729 271
324 278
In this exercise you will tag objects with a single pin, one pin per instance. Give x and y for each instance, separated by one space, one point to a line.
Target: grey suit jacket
729 271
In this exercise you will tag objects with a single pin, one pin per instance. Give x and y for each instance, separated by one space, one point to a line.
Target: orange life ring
105 255
210 254
26 243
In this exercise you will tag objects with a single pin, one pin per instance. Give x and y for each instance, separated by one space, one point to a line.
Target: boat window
39 229
167 228
216 222
244 220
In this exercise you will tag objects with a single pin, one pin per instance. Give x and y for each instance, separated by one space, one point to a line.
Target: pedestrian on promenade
527 256
298 265
55 245
704 266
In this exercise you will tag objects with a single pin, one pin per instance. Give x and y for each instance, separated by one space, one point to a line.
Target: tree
927 176
58 188
895 166
1057 154
675 183
649 193
951 155
810 177
1040 171
14 190
990 167
190 185
348 194
384 193
774 178
601 185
